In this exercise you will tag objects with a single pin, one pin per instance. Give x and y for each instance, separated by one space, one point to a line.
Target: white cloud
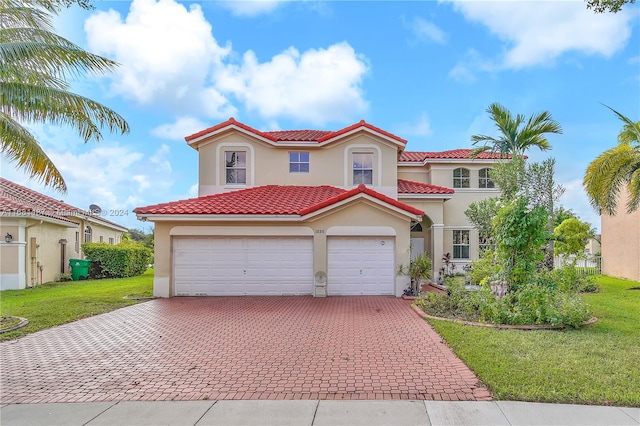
170 58
193 190
251 7
317 86
112 176
427 31
165 52
536 33
420 127
575 198
183 126
473 62
160 159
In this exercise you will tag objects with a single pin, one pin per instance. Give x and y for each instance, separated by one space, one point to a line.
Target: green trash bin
79 269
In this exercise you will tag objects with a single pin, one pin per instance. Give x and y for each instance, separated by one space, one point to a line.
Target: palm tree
34 66
514 138
614 169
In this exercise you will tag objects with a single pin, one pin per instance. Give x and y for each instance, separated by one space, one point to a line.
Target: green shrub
484 268
126 259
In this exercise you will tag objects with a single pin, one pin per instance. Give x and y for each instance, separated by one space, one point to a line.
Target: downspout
32 260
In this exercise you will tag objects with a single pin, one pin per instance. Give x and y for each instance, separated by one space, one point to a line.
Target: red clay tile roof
18 200
268 200
295 135
411 187
454 154
298 135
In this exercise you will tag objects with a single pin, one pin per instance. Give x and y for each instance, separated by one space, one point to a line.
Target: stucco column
437 235
320 261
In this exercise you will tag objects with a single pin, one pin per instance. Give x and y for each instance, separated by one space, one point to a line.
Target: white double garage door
270 266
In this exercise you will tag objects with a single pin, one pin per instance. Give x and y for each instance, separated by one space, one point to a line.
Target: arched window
87 234
484 180
461 178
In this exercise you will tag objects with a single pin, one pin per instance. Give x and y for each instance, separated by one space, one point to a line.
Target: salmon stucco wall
620 242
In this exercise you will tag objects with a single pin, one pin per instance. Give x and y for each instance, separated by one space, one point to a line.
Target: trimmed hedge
126 259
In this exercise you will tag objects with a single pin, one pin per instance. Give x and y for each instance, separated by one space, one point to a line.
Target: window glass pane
242 176
304 167
242 159
293 157
304 157
294 167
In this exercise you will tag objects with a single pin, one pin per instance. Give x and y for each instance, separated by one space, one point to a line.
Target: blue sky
423 70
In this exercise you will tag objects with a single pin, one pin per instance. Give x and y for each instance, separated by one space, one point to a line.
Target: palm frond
20 147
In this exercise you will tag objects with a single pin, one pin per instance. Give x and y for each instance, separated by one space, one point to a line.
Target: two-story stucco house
40 234
314 212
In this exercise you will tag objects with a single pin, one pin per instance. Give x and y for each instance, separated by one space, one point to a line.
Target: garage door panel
361 266
243 266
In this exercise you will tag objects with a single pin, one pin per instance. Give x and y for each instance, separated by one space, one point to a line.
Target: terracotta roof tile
268 200
294 135
16 199
454 154
298 135
411 187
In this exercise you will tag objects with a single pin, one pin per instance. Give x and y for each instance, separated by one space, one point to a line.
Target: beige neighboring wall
269 165
621 242
362 216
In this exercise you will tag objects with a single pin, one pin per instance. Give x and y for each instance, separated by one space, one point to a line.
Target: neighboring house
592 248
314 212
620 242
40 234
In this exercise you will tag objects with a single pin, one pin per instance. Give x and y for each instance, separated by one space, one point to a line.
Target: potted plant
419 269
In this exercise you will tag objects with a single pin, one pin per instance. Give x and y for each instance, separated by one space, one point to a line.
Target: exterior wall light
8 238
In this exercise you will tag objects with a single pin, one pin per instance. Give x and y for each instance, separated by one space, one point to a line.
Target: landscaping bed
598 364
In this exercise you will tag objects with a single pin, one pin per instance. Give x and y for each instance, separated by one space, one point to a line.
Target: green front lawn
53 304
597 364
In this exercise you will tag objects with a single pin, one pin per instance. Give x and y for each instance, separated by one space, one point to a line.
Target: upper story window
484 180
362 168
87 234
236 167
460 244
461 178
298 162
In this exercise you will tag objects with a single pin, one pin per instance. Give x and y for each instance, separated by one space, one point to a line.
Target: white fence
591 265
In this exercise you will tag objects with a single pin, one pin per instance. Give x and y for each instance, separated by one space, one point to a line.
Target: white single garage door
222 266
361 266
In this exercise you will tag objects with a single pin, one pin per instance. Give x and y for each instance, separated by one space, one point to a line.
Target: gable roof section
411 187
291 136
454 154
270 200
20 201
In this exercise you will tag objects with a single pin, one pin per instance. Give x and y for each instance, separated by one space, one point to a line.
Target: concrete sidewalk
314 412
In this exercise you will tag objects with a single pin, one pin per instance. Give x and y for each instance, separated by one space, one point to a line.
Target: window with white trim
362 168
460 244
298 162
236 167
110 240
461 178
484 179
87 234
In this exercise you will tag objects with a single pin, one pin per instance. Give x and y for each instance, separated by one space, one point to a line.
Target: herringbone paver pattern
239 348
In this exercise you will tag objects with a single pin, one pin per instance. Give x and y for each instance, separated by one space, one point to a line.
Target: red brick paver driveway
239 348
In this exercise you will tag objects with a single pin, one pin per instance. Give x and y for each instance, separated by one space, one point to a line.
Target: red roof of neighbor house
454 154
295 135
269 200
411 187
18 200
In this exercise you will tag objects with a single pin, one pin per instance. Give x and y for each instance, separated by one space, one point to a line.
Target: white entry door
361 266
260 266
